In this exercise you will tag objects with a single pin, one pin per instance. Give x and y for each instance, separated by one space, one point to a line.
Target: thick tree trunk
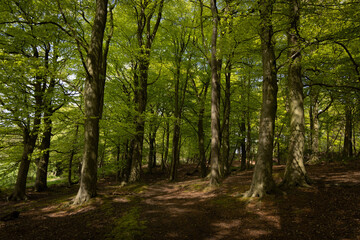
215 102
92 105
295 173
262 181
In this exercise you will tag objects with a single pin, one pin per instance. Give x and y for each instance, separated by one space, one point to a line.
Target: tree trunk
225 135
118 164
94 88
295 173
243 143
145 38
248 132
314 125
166 150
348 149
42 168
29 140
201 140
175 150
215 100
262 181
72 154
152 147
19 192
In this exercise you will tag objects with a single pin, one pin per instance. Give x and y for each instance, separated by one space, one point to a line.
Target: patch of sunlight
229 202
131 188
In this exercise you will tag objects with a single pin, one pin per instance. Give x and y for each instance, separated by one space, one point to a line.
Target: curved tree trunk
262 181
295 173
94 89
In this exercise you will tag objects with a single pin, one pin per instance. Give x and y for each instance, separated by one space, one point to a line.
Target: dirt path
190 210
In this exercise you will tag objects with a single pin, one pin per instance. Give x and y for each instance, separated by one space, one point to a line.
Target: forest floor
189 209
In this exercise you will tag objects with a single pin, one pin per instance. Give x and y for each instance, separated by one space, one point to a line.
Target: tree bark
145 38
243 142
215 101
72 154
348 149
29 139
262 181
42 168
295 172
94 89
225 134
314 125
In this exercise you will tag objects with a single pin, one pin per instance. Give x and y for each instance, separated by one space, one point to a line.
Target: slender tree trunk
29 140
177 114
42 168
215 100
20 186
248 133
262 181
72 154
225 136
118 164
145 38
295 173
175 151
166 150
348 149
42 165
201 141
314 126
92 105
243 143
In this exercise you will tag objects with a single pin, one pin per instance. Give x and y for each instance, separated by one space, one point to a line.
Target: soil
189 209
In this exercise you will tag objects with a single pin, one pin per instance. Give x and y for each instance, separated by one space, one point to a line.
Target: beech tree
262 181
93 95
295 173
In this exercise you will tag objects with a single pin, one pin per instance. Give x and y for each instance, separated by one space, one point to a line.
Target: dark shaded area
189 209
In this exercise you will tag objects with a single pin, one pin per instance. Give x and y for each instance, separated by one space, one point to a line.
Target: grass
129 226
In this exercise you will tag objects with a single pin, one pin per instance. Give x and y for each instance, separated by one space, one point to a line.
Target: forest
217 114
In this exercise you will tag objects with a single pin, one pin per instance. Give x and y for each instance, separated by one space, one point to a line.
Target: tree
215 100
93 95
295 173
262 181
144 13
